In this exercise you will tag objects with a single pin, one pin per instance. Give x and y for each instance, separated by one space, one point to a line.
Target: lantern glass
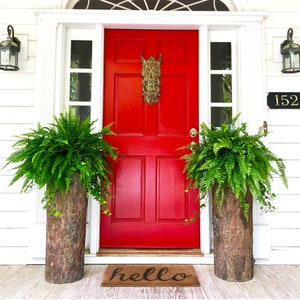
291 60
290 52
14 59
9 50
8 57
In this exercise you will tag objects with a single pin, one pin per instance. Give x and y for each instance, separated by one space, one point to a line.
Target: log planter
237 167
233 238
72 161
65 235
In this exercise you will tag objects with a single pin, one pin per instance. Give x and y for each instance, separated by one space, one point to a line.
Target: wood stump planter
233 239
65 236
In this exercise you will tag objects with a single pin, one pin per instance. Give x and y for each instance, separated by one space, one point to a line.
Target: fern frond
229 157
50 156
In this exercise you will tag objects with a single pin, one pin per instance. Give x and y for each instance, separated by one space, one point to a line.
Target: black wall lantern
290 52
9 51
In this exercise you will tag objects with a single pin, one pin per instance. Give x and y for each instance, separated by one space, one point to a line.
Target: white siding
19 111
284 140
17 99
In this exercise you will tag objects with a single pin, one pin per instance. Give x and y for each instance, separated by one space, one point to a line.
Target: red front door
150 203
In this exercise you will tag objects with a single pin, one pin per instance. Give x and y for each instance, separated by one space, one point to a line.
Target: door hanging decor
151 79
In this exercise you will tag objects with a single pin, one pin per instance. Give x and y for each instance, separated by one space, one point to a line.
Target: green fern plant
50 156
228 157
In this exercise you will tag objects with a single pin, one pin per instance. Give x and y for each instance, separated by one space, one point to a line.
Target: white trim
236 5
204 112
52 27
65 3
148 19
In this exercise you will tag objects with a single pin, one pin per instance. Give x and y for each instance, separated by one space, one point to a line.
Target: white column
253 101
45 109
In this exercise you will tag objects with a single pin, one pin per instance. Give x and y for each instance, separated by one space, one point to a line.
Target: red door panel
150 203
128 185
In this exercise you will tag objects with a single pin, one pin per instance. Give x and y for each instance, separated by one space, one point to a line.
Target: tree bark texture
233 239
65 236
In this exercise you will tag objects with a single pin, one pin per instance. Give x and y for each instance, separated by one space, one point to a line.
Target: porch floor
269 282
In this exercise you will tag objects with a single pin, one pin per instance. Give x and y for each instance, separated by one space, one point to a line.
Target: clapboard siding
19 112
17 116
293 186
6 147
292 167
10 133
287 220
14 237
283 117
15 219
286 151
13 255
287 203
11 98
16 202
284 134
17 81
281 237
284 140
6 188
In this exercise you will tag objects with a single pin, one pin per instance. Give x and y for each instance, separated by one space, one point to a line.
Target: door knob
193 133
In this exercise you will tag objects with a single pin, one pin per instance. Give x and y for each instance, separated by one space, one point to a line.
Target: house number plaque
284 100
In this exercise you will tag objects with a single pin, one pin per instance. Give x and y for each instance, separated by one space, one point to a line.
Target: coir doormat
150 275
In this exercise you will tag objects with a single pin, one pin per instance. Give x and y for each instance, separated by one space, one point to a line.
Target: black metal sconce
9 50
290 52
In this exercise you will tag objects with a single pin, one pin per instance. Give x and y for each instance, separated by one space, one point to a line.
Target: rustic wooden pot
233 239
65 236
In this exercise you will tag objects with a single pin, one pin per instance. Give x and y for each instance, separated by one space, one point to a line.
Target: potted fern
236 167
72 162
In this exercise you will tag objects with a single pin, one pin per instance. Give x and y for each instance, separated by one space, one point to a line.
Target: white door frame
51 42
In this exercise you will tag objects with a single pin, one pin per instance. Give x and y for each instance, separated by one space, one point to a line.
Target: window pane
83 112
220 115
80 86
81 54
220 56
221 88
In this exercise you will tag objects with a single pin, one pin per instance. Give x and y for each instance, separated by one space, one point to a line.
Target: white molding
236 5
251 58
45 107
46 71
97 114
205 223
149 19
52 28
204 80
65 4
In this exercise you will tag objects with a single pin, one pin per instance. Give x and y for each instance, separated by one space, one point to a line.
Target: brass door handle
193 133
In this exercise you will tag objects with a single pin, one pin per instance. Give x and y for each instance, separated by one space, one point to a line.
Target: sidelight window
222 79
80 78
